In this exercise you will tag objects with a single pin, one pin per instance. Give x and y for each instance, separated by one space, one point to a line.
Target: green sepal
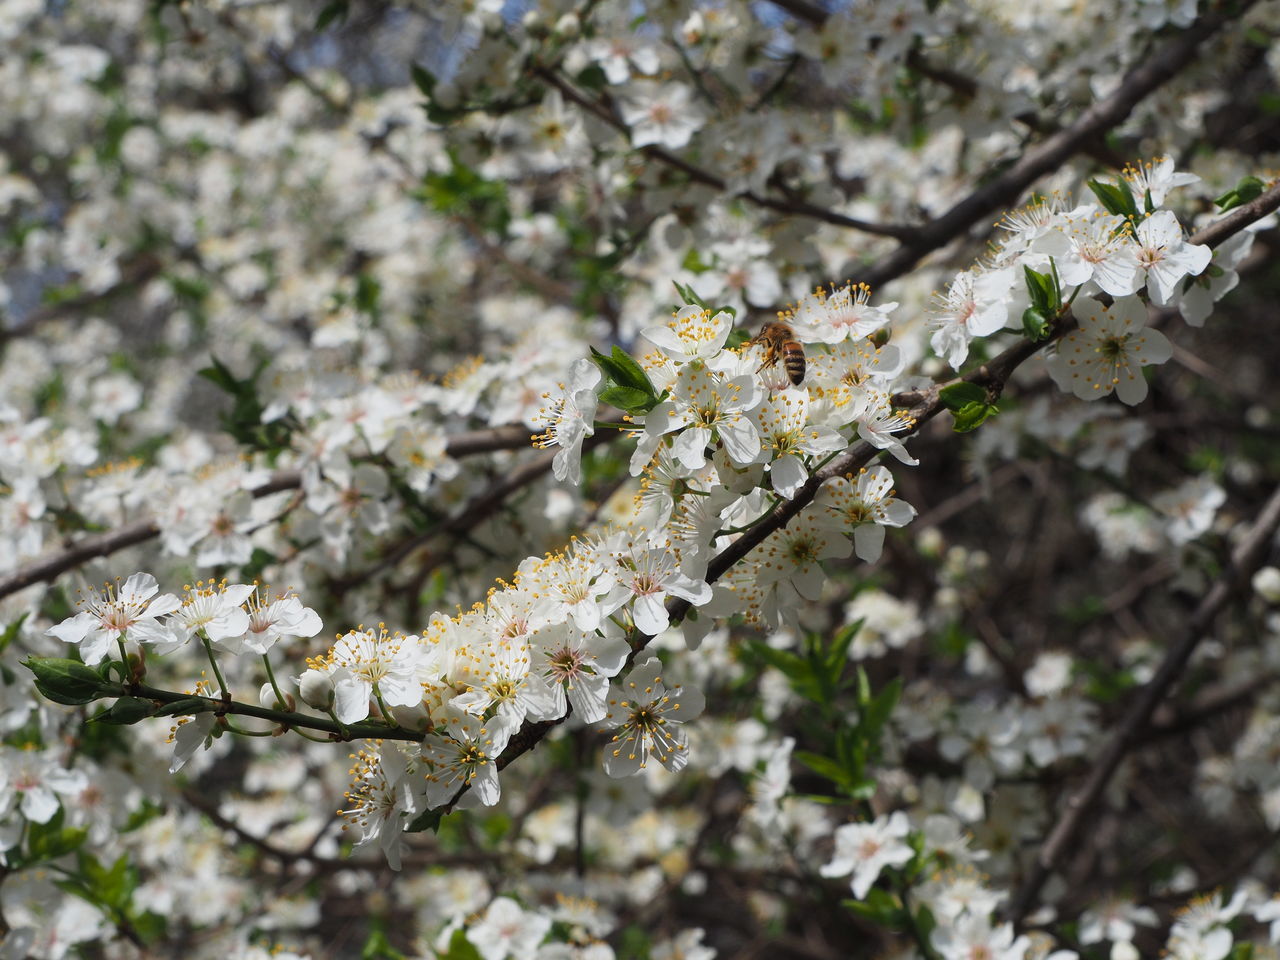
69 682
127 710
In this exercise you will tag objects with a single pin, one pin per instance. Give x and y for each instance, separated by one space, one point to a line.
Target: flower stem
213 662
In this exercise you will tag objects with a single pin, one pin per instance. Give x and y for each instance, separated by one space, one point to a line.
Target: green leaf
460 948
973 415
48 841
880 907
1035 324
423 79
877 712
127 710
378 947
833 770
1115 198
426 820
632 374
334 12
69 682
11 632
1247 190
958 395
1043 291
626 398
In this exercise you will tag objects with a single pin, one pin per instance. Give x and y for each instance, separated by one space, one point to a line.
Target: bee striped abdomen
793 361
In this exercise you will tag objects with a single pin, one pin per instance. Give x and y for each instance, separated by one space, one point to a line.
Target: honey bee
780 342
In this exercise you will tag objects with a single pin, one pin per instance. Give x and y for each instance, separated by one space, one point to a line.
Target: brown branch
1006 189
460 445
1246 558
695 173
926 404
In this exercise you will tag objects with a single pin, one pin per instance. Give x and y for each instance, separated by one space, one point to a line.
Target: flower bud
1266 583
568 26
315 687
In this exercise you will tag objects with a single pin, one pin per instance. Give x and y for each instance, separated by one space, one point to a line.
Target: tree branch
509 437
1246 558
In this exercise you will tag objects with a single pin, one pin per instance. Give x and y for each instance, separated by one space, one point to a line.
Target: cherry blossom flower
866 505
369 664
661 114
463 753
649 717
380 797
506 930
210 609
1108 351
1164 256
864 849
1158 177
570 418
702 403
270 620
787 435
843 314
576 665
971 935
645 576
976 304
118 612
1092 245
32 781
692 334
